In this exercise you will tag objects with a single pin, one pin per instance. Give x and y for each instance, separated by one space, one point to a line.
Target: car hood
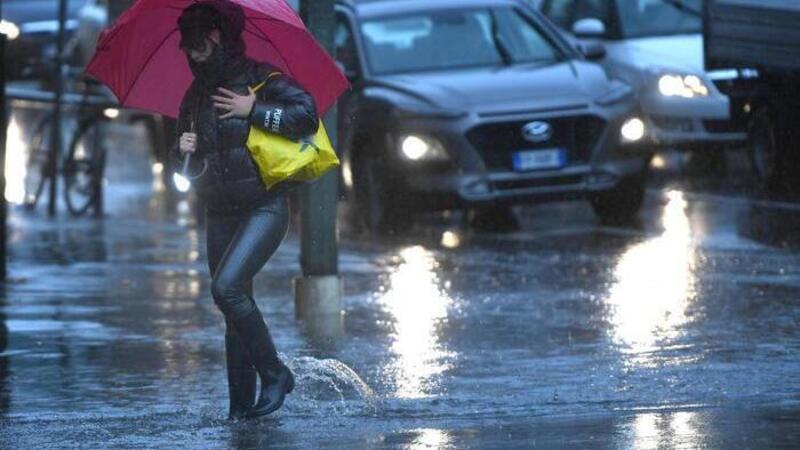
684 52
508 89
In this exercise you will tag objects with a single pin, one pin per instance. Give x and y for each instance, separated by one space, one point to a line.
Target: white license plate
540 159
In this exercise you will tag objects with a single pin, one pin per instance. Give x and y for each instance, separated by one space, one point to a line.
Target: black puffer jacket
231 181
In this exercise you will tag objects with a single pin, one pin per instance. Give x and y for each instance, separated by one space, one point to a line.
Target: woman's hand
233 104
188 143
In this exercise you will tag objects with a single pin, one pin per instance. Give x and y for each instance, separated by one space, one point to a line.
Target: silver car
657 47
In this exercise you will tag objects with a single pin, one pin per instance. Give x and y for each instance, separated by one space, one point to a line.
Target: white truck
755 44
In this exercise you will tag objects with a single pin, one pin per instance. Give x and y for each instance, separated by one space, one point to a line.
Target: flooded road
680 331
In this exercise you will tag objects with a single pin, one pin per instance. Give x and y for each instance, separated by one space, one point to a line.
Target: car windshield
640 18
443 40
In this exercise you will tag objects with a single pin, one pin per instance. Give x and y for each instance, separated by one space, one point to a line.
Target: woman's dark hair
198 20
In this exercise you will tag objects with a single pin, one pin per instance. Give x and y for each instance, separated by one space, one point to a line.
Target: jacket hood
231 23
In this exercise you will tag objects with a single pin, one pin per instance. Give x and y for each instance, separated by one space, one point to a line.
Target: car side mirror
593 51
589 28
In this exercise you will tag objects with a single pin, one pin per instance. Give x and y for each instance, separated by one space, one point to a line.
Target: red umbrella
139 59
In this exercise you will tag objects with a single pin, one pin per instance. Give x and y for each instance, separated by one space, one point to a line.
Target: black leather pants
238 246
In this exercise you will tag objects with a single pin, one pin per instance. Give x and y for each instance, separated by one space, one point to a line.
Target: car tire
377 207
708 161
622 203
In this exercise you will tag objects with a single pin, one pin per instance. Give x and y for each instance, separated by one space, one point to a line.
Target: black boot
273 392
276 379
241 376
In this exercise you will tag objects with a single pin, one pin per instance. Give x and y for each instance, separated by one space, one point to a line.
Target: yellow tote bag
280 159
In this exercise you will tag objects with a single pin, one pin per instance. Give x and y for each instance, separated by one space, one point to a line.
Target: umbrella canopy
138 57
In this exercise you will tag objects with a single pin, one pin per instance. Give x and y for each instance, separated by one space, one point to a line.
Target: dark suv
479 104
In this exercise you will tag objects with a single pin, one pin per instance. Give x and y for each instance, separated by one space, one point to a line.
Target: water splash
327 386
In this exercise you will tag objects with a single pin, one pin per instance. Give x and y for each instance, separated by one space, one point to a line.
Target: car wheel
376 203
622 203
708 161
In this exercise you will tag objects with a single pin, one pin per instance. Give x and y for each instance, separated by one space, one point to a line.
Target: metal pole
318 293
319 240
3 128
55 148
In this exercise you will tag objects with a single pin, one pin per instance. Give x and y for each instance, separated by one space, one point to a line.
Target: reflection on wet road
680 331
655 281
418 306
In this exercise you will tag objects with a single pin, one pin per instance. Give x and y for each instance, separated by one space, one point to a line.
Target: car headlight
688 86
633 130
422 148
10 29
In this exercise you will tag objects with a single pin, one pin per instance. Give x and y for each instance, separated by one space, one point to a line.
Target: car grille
673 124
526 183
724 126
497 142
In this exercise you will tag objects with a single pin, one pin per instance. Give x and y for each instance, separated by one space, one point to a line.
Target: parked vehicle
755 44
479 104
657 47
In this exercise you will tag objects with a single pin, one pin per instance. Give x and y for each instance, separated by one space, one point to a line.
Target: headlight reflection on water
430 439
418 306
663 430
655 281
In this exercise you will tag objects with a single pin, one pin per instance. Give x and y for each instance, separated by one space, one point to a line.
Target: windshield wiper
680 5
498 41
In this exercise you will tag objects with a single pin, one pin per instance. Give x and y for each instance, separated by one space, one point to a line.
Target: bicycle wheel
38 164
84 166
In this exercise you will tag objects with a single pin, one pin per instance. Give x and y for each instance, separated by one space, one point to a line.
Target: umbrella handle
188 158
185 169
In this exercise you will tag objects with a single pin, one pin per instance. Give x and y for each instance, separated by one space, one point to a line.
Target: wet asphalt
677 331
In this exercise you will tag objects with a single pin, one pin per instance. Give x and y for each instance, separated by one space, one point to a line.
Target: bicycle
83 165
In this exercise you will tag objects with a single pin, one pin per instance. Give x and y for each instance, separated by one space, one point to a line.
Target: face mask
213 68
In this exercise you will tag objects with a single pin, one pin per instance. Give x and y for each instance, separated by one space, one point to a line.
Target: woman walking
245 222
